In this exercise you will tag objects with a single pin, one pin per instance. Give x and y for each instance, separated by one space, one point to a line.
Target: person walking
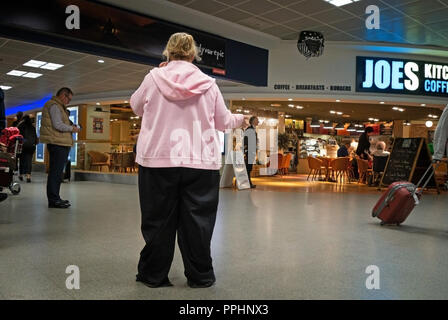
30 140
56 132
441 137
3 196
19 117
2 110
250 147
179 157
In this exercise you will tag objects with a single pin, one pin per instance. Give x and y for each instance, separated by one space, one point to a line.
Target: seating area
123 162
341 170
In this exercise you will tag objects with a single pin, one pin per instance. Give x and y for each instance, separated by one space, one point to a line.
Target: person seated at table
343 150
380 150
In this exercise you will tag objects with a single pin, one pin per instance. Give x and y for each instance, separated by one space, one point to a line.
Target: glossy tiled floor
284 240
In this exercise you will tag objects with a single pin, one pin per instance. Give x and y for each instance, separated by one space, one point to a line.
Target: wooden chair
316 166
363 170
379 164
116 161
286 160
279 163
98 159
128 162
340 167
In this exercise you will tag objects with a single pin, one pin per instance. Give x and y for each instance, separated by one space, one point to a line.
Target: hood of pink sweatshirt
181 80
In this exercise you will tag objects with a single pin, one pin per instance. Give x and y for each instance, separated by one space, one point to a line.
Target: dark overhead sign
400 76
118 33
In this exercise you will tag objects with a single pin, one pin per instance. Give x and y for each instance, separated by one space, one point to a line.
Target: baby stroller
11 142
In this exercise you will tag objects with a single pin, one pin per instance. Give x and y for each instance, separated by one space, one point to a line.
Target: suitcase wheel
15 188
382 223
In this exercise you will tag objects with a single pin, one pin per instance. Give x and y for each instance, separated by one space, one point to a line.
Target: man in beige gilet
56 131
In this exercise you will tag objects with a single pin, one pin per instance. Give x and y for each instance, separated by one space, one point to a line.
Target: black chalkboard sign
409 159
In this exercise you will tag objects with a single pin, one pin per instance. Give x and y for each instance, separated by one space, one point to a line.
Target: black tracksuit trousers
181 200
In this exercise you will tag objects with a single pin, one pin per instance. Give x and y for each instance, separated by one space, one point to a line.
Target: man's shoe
165 283
28 180
59 205
191 284
21 178
3 196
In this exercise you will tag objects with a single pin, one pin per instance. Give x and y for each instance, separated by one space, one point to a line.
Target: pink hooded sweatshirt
181 109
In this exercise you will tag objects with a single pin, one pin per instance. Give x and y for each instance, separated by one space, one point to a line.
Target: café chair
270 166
363 170
286 161
316 166
379 164
99 160
341 167
128 162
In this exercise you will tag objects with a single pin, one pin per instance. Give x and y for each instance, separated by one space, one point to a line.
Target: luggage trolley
8 165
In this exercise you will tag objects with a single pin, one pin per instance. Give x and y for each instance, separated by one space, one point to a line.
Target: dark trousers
58 158
26 161
249 170
183 200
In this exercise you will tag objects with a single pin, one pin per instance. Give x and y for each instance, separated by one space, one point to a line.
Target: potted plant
283 142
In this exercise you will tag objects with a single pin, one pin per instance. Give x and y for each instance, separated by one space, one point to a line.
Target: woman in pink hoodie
179 155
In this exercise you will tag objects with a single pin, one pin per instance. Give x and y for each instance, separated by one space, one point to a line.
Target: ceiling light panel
16 73
52 66
340 3
34 63
32 75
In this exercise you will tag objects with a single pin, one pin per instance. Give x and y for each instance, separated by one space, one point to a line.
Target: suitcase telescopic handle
429 177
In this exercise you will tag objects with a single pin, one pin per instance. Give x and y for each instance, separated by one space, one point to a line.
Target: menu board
402 160
408 161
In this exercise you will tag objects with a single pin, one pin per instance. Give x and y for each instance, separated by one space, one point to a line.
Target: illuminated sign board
386 75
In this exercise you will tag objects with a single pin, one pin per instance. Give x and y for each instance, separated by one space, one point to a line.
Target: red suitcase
398 201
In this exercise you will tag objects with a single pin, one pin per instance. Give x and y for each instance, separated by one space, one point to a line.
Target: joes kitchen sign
400 76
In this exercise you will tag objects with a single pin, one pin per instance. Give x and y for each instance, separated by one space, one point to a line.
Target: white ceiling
81 72
418 22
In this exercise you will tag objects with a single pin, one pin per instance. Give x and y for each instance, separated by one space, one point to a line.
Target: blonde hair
381 145
181 46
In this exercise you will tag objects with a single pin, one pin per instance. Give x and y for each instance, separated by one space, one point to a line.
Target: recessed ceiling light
338 100
243 98
423 105
52 66
382 102
16 73
34 63
289 99
275 105
100 61
395 108
333 112
291 105
339 113
98 103
340 3
126 101
5 87
429 124
32 75
299 107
